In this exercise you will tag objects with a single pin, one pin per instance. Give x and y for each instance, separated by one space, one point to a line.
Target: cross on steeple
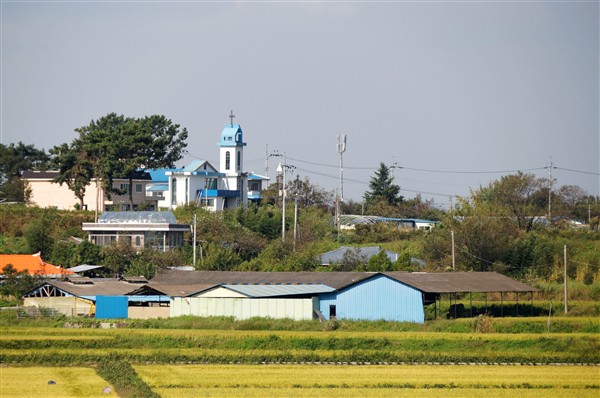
231 116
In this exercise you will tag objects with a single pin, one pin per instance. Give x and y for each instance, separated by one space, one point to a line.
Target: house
48 194
144 229
33 264
224 186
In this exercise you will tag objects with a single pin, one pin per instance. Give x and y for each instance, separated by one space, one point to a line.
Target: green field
187 362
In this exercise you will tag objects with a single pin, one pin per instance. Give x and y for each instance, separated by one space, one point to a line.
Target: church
228 186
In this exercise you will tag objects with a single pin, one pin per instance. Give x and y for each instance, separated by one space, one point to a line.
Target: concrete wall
244 308
148 312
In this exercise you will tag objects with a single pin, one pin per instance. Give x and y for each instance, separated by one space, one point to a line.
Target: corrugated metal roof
176 290
336 256
137 217
457 282
99 287
84 268
336 280
441 282
279 290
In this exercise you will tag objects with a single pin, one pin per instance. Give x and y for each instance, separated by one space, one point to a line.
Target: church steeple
232 149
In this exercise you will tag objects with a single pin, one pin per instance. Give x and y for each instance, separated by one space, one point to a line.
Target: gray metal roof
279 290
171 290
337 280
457 282
99 287
137 217
84 268
438 282
336 256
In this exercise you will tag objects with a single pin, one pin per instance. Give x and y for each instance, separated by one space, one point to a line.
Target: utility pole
295 219
550 192
341 148
194 262
284 168
565 282
453 262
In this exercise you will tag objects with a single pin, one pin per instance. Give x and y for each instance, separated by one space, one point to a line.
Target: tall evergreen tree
382 187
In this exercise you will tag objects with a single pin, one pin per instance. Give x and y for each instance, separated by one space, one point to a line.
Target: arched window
239 158
227 160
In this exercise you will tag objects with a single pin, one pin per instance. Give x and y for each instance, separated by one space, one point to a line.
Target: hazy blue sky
447 87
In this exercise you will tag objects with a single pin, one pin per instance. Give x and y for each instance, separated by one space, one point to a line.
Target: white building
216 189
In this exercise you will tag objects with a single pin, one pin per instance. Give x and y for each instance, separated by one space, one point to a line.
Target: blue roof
159 175
232 136
158 188
253 176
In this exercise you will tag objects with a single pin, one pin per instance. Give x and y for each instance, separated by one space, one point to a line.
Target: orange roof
32 263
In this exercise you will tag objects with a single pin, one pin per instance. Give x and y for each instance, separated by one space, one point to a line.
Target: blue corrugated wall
111 307
376 298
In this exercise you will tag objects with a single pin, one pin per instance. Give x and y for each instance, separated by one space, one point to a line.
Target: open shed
434 285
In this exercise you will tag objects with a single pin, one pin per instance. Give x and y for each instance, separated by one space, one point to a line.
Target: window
138 241
254 185
332 314
174 192
138 188
239 157
125 187
227 160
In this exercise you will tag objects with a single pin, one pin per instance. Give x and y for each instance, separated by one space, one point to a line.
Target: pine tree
383 187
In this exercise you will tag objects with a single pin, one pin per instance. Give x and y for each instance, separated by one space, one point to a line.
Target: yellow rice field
22 382
371 381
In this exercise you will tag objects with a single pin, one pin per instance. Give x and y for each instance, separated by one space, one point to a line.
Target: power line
578 171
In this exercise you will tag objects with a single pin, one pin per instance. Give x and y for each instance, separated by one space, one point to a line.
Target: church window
227 160
239 157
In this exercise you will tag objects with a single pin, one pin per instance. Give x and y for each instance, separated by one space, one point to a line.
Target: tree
14 159
118 146
379 262
382 186
517 193
16 283
75 168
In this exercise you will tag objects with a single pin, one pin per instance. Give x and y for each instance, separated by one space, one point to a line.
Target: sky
453 95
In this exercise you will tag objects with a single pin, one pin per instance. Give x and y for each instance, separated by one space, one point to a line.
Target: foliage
16 283
382 187
117 146
118 257
14 159
379 262
125 379
149 262
38 238
74 167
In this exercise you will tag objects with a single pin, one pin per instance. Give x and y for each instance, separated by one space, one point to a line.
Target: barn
392 296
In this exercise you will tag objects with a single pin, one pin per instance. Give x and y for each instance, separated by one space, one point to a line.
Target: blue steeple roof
232 136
